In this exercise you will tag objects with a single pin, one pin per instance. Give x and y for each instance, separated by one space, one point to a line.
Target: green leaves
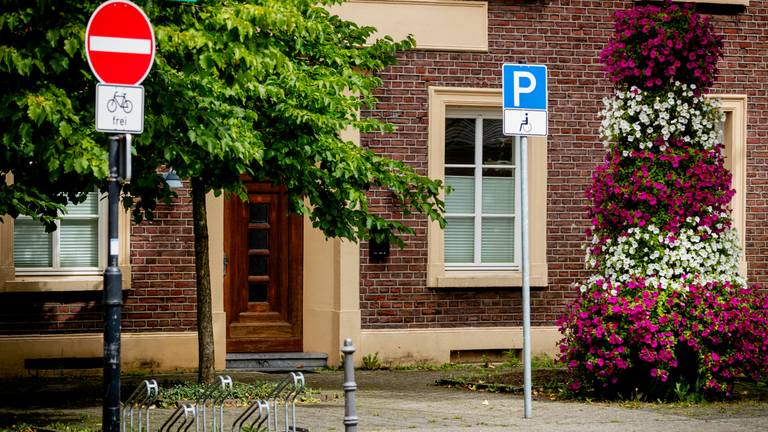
262 88
46 109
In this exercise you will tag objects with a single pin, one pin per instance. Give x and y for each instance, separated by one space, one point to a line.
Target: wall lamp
172 179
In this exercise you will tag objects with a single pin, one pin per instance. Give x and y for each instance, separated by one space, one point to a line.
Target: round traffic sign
119 43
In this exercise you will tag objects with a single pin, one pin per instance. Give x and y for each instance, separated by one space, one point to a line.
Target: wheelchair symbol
524 125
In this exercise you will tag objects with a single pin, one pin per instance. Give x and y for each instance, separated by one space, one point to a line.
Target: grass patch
423 365
551 383
23 427
187 392
241 394
371 362
53 426
546 382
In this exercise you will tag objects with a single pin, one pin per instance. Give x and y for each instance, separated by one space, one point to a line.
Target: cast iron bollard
350 413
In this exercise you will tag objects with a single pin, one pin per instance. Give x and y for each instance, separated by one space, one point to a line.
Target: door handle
226 262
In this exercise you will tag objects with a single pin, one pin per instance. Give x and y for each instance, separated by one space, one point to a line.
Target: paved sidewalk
408 401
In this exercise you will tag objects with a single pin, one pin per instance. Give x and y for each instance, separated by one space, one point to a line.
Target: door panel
263 292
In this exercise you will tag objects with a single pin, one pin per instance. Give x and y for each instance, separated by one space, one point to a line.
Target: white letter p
518 89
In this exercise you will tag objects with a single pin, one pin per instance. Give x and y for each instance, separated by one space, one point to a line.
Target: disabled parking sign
524 90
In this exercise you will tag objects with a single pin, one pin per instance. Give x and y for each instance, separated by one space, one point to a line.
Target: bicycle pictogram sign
119 101
119 109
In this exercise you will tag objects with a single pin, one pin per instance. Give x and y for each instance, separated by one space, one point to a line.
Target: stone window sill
58 283
477 279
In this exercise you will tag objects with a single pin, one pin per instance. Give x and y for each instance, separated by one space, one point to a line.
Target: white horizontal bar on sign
121 45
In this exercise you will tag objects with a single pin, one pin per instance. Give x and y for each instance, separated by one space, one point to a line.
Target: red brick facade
567 36
161 297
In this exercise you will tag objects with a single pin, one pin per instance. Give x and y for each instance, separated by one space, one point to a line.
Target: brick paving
408 401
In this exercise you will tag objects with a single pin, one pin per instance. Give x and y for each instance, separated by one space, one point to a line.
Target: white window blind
481 211
75 246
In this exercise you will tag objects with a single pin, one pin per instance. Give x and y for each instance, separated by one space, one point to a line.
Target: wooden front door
263 278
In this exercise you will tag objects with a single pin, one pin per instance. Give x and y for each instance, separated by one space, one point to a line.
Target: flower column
665 301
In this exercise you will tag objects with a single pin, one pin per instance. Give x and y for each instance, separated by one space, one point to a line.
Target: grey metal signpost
117 33
524 91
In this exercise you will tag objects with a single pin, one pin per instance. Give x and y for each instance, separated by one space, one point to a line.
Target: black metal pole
113 302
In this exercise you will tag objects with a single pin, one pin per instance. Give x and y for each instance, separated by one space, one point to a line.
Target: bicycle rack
135 411
263 409
286 391
137 405
215 396
298 388
186 413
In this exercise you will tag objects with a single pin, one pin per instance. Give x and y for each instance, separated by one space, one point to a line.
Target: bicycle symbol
121 101
524 125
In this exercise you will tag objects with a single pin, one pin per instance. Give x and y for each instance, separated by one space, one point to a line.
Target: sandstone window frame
734 106
63 280
99 218
441 101
475 205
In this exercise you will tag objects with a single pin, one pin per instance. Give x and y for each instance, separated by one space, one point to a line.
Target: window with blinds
482 228
75 246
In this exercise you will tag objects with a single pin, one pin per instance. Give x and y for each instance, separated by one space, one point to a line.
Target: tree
257 88
665 312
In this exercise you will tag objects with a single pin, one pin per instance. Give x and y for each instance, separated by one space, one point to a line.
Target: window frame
56 268
734 106
13 281
480 115
441 101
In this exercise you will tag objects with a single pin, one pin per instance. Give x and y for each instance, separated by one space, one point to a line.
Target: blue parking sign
524 94
524 86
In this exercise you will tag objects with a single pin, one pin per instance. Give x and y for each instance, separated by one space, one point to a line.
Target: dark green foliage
262 88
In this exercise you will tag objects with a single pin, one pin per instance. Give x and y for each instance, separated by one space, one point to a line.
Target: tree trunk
205 373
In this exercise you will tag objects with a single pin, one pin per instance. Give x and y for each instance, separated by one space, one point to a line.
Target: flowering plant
651 340
653 45
636 118
665 305
665 261
664 190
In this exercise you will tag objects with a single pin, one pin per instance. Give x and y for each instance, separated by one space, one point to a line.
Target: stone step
276 362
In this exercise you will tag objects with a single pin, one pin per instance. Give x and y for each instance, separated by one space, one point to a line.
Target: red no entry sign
119 43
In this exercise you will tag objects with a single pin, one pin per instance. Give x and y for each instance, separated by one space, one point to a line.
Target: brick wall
567 36
46 312
744 70
162 295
